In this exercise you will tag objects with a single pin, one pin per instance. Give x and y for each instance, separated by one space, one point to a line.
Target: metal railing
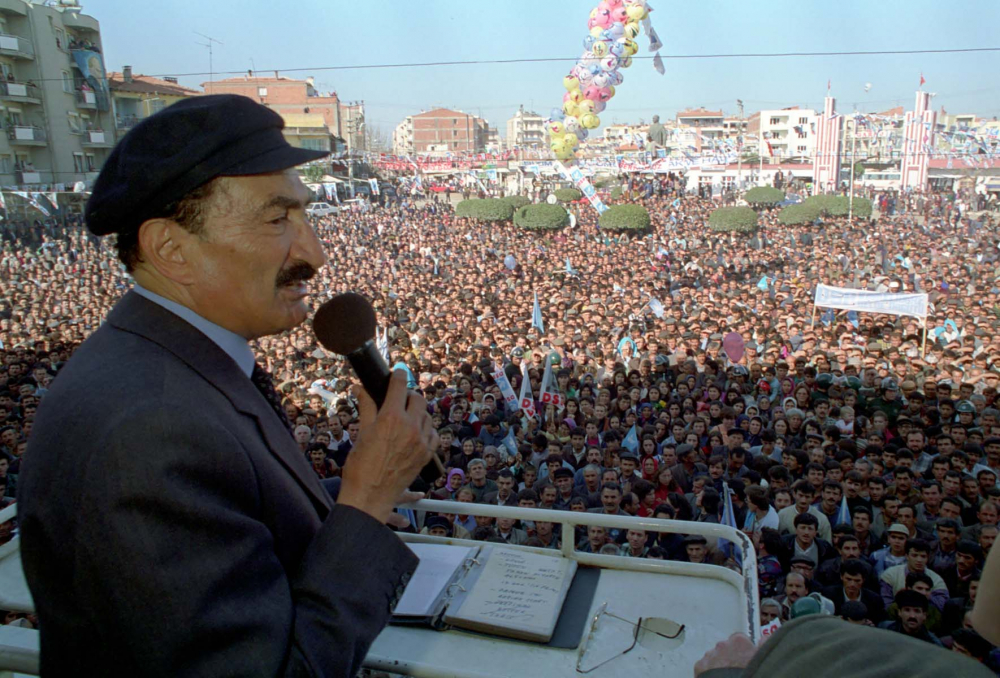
17 89
26 133
86 98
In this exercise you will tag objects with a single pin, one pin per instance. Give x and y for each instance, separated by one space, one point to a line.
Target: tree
803 213
633 218
517 201
379 140
764 196
313 174
733 220
485 209
568 194
542 217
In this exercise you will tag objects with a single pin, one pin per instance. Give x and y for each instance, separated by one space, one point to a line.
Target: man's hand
736 651
393 445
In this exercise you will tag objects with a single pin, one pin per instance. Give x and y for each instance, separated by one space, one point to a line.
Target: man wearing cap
203 543
912 607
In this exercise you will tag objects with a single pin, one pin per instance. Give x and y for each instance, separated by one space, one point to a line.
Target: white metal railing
745 581
15 43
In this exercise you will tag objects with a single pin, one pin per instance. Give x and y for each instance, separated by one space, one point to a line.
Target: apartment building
526 129
785 133
135 97
443 130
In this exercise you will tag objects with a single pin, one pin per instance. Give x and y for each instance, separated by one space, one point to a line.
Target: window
802 135
316 144
803 121
775 121
155 105
5 164
15 116
91 163
262 91
7 71
74 122
454 133
801 149
60 38
67 82
454 121
78 163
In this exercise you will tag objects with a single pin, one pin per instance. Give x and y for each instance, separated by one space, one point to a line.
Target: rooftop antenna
210 39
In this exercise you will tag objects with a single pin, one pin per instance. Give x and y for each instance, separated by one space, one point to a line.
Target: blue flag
569 268
728 548
827 317
843 515
631 440
411 381
852 316
509 444
656 306
676 203
762 283
536 316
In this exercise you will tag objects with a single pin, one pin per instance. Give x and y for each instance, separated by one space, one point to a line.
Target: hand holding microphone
397 438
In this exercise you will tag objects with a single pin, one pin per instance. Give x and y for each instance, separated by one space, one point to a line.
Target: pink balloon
603 18
618 14
604 6
603 94
613 3
734 346
593 93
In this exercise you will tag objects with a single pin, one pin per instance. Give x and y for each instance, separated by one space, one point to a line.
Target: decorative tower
918 140
826 163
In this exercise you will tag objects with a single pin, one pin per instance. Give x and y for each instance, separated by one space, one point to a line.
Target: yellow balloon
596 31
636 12
600 48
576 96
590 121
571 108
586 106
571 140
624 62
631 47
571 82
611 91
632 30
593 13
556 128
565 154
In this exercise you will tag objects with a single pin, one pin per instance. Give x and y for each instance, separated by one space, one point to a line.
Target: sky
308 37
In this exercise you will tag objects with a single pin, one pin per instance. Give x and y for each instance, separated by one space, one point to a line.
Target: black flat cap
171 153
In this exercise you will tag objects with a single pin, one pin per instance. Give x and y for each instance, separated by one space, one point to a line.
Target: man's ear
166 246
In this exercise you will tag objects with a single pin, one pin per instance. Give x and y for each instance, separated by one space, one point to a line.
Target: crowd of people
861 460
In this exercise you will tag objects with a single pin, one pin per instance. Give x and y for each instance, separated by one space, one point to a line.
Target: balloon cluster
614 26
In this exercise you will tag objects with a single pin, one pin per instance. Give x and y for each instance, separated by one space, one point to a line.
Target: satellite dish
552 200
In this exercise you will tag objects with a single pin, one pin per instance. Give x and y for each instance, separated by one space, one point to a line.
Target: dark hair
527 495
913 578
188 213
854 567
805 519
771 540
918 545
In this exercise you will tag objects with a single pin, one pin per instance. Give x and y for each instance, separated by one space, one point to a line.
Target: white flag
527 398
654 40
658 64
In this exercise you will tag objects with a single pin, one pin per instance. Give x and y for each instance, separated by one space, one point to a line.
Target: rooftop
147 84
699 113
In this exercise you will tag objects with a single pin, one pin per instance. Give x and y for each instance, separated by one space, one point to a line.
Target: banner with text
914 305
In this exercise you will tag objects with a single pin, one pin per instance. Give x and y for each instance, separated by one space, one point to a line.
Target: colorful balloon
605 93
619 14
631 47
570 109
587 106
599 106
571 123
582 134
625 62
602 80
636 12
588 42
618 49
632 30
611 92
586 77
593 93
596 31
571 82
557 114
600 48
617 29
556 128
616 78
609 63
603 18
590 121
576 96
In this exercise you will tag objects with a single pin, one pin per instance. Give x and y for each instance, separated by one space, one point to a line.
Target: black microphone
346 325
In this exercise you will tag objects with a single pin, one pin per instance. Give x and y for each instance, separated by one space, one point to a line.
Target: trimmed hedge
485 209
733 220
803 213
764 195
541 217
626 218
568 194
839 205
517 201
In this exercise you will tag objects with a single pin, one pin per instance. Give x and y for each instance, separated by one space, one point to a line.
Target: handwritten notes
518 594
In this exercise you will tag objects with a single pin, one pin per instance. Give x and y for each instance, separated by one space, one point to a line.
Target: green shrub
517 201
839 205
616 192
541 217
485 209
803 213
625 218
764 195
733 219
568 194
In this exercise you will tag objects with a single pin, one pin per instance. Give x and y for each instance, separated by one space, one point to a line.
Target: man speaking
170 524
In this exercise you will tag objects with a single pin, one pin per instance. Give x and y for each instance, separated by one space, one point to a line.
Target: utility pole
350 160
850 197
211 69
739 147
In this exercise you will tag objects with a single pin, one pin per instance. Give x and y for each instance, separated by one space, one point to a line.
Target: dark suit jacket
825 551
872 600
170 526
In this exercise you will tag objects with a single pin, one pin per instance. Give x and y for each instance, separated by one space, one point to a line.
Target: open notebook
490 588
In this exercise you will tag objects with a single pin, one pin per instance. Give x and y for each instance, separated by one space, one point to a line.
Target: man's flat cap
171 153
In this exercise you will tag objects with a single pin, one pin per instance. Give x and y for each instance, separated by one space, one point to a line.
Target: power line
534 60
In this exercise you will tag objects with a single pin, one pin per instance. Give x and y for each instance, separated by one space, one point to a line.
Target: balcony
19 91
86 99
32 176
80 22
26 135
16 47
14 8
97 139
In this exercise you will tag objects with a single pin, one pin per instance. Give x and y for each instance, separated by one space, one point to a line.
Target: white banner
846 299
510 398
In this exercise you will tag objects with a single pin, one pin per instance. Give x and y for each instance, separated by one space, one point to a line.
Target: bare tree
378 141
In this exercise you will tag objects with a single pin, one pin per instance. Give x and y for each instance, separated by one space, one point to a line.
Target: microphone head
343 324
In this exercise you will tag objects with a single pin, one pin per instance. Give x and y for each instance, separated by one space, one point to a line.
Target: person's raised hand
393 445
736 651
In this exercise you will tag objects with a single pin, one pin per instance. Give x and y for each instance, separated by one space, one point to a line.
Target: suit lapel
140 316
